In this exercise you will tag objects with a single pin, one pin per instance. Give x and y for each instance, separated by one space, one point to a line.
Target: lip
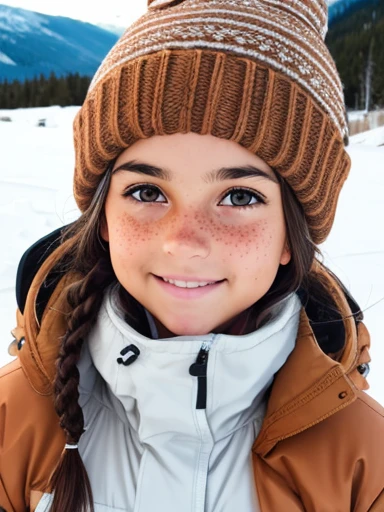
190 279
187 293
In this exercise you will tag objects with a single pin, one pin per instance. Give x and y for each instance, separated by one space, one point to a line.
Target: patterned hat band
259 75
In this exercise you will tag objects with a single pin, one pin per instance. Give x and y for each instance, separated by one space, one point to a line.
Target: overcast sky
117 12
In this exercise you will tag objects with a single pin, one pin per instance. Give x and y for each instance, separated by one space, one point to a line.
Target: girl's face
194 209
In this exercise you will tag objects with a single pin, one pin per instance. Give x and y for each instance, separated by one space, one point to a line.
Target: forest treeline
356 43
44 92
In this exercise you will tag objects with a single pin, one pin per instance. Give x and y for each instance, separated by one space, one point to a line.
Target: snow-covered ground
36 197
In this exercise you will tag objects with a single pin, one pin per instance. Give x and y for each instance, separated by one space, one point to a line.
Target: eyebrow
224 173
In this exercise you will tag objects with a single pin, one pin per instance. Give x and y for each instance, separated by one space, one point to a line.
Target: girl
181 346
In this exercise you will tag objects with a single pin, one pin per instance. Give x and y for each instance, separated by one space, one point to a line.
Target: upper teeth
187 284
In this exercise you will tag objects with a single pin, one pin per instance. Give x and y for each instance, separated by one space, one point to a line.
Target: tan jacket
320 449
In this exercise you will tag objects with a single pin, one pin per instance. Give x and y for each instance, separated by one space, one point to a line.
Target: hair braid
70 482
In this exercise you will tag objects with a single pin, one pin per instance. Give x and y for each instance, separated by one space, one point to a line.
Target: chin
189 330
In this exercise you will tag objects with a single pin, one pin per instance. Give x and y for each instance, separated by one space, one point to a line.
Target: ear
285 255
104 229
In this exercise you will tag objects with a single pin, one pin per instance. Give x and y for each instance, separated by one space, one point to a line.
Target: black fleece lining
28 267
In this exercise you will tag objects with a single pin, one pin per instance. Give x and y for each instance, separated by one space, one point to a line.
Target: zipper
199 369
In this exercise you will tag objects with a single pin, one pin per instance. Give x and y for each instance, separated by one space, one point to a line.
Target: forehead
191 154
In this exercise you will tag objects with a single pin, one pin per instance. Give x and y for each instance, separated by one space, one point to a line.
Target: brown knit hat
253 71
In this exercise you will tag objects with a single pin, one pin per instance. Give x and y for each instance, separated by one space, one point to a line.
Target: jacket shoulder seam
378 410
9 372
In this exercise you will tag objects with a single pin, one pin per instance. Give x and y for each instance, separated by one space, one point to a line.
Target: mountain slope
339 8
32 43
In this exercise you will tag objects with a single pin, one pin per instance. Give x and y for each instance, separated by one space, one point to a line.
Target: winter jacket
320 447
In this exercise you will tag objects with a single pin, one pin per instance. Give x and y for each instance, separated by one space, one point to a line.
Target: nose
187 241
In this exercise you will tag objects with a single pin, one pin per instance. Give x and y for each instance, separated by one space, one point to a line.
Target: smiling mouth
187 289
188 284
179 283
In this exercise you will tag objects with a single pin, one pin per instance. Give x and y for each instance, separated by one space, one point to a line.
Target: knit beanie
256 72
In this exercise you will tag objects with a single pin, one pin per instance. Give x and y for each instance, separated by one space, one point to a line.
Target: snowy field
36 197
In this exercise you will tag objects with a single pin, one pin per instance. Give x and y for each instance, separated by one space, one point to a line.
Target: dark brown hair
84 253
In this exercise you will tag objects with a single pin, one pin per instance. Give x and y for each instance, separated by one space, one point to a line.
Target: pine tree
355 42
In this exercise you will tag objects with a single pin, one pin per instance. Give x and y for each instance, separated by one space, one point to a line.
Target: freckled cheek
127 236
244 242
251 253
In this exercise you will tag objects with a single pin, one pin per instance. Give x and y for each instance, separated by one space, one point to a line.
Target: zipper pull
199 369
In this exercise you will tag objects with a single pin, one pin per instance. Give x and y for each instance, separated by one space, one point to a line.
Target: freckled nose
186 242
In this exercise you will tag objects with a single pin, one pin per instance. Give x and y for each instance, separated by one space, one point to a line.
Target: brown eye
144 194
148 194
